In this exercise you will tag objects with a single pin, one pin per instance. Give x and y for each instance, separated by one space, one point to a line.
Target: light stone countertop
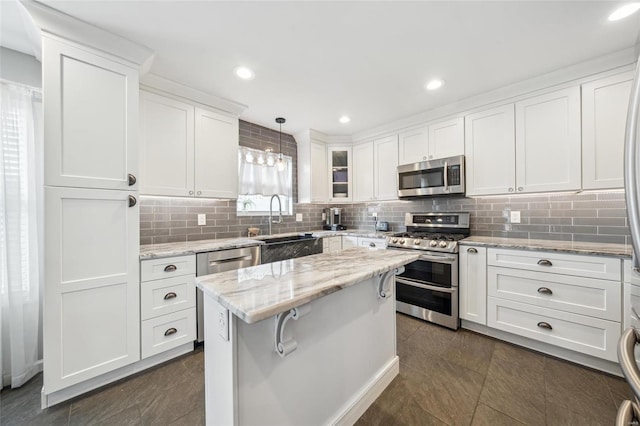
599 249
156 251
259 292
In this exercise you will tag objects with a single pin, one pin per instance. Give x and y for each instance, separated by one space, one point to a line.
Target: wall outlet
202 219
324 217
515 217
298 217
375 215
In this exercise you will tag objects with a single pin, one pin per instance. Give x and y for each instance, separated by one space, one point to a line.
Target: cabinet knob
132 201
430 157
170 331
545 290
510 189
199 192
131 179
372 244
170 268
472 250
190 192
520 188
544 262
424 158
170 295
545 325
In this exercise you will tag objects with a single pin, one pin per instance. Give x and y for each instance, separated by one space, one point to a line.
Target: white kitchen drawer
607 268
374 243
162 297
587 335
157 269
585 296
168 331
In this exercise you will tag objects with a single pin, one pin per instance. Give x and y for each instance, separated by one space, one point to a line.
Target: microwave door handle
426 287
446 175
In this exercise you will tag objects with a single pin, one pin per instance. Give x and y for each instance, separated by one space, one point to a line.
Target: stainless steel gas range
428 287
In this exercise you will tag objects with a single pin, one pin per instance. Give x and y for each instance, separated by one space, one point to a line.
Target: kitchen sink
282 248
290 238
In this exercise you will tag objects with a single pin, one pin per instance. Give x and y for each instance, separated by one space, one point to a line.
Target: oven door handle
426 287
438 259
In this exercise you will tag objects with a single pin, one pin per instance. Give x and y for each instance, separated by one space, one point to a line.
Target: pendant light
280 164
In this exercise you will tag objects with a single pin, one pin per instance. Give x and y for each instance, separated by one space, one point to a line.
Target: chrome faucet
271 211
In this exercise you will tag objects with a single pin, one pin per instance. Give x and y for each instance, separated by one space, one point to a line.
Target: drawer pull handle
372 244
171 331
546 325
170 295
545 290
132 201
544 262
170 268
472 250
131 179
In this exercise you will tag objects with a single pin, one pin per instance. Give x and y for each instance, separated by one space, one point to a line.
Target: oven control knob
402 241
443 244
433 243
416 242
394 240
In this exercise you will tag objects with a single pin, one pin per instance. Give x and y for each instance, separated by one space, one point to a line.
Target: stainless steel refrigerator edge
629 412
221 261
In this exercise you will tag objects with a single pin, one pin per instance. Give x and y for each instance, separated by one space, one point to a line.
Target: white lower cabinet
349 241
167 303
332 244
473 284
373 243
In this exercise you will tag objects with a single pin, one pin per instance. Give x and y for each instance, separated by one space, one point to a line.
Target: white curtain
259 174
20 222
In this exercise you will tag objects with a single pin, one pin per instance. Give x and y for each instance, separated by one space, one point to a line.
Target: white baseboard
558 352
49 400
360 402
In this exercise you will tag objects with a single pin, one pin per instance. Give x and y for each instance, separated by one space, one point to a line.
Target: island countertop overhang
259 292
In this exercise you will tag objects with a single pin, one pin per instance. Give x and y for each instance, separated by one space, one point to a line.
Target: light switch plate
298 217
515 217
202 219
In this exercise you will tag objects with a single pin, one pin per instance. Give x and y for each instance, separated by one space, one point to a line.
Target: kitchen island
302 341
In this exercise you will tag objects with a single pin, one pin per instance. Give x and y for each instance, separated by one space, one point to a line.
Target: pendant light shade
280 163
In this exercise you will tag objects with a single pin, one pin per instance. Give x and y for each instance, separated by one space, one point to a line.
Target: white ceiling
315 61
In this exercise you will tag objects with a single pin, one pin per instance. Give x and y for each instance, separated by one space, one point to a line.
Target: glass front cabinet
340 171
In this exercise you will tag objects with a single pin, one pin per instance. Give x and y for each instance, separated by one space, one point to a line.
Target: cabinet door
490 151
413 146
473 284
363 171
548 142
318 172
604 114
446 139
216 155
385 168
90 119
340 174
166 146
348 242
92 292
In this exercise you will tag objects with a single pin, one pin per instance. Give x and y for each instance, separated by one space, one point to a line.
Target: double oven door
428 289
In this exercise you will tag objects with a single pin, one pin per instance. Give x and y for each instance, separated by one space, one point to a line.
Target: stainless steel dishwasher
220 261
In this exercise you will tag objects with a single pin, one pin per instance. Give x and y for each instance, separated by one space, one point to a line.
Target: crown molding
54 22
163 86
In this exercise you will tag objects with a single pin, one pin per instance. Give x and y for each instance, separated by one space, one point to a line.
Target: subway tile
600 221
604 212
574 229
557 236
185 231
619 195
592 238
614 230
169 239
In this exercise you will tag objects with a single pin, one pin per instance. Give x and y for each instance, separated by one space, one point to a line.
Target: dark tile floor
446 378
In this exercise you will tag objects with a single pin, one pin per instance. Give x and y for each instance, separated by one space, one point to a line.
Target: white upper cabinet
438 140
532 146
363 171
413 145
385 168
216 155
91 119
375 169
604 113
548 142
490 151
166 148
187 150
446 138
340 174
312 168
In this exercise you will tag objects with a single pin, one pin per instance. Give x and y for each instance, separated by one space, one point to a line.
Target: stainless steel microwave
444 176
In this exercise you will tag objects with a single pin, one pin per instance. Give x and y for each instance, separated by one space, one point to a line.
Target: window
259 178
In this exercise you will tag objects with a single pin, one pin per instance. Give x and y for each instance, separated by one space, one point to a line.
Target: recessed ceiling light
344 119
434 84
245 73
624 11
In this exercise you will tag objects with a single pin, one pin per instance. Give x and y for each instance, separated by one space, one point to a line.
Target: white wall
19 67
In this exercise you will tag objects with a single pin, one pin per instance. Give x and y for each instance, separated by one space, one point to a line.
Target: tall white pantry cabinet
91 299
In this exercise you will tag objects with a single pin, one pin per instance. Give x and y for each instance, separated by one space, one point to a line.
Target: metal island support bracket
384 290
285 347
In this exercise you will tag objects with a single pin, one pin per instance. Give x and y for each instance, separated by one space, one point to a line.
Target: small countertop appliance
333 219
